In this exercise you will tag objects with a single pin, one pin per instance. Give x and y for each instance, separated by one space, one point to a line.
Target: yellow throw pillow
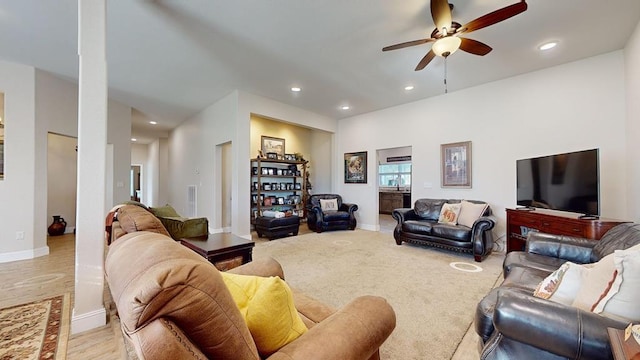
266 303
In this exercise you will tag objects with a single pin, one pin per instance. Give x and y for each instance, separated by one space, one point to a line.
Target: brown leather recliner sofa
173 304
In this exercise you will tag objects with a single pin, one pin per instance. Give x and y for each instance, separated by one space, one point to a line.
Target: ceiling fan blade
474 47
493 17
441 14
407 44
425 60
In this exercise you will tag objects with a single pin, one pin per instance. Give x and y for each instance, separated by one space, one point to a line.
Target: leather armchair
341 219
173 304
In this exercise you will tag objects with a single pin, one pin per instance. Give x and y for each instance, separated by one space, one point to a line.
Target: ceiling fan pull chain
445 75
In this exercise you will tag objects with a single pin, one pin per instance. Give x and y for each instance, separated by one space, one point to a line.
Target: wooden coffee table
224 250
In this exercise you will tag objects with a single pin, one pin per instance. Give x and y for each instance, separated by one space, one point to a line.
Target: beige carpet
434 303
37 330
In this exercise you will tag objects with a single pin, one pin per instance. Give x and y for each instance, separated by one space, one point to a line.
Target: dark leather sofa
513 324
420 226
341 219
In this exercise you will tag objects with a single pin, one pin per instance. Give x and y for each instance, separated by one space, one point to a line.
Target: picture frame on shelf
298 186
272 145
271 171
265 171
455 165
355 168
279 172
267 201
290 157
272 156
280 201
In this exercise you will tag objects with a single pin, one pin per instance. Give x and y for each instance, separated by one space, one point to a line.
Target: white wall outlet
19 235
120 184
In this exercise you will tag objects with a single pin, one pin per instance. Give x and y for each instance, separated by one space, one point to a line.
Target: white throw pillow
563 284
329 205
470 212
621 299
595 282
449 214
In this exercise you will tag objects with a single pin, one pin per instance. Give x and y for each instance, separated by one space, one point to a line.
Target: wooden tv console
521 221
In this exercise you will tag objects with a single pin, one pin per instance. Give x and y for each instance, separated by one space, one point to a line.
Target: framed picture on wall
456 165
355 168
272 145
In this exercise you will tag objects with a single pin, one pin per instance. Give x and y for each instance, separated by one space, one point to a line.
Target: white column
88 310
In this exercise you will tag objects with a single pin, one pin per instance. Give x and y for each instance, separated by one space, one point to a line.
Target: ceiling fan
446 37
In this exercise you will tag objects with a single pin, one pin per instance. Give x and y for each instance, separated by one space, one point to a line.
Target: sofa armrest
356 331
403 214
350 208
574 249
263 267
174 345
482 236
560 329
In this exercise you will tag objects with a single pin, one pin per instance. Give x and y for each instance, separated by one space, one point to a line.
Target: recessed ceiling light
296 89
408 88
547 46
134 139
345 107
152 122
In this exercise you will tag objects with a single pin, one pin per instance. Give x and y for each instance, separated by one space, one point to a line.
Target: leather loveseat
173 304
419 225
341 216
514 324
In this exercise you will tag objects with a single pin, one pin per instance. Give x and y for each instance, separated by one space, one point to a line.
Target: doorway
226 182
393 183
62 162
136 175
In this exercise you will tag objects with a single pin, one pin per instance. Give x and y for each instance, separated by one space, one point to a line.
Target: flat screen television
566 182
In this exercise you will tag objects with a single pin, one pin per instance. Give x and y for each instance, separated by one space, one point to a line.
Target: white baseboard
24 254
87 321
369 227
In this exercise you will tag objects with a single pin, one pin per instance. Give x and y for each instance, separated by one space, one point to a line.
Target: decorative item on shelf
272 145
58 226
272 156
290 157
260 155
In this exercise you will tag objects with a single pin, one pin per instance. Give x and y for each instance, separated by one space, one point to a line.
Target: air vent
192 203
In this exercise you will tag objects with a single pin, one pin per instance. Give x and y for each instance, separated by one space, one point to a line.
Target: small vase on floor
58 226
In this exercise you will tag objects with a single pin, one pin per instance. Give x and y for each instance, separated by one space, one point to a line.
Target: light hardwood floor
46 276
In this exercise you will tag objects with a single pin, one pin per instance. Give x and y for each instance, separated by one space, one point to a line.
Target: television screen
566 182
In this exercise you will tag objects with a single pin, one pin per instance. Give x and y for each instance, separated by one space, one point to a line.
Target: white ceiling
170 59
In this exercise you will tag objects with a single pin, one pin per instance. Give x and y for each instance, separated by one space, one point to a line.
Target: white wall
37 103
17 208
570 107
193 158
632 87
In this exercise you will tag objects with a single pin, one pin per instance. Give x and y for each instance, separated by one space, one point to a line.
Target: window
394 175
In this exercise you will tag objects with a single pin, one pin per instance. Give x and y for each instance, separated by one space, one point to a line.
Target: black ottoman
277 227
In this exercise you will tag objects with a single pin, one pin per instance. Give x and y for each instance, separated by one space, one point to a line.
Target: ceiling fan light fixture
446 46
